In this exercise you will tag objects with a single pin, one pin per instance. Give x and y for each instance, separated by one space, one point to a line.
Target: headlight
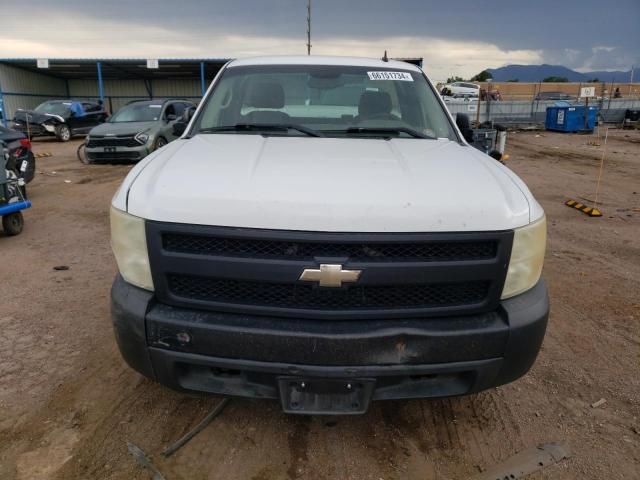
142 138
527 257
129 245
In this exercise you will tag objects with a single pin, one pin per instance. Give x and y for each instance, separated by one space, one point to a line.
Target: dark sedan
60 118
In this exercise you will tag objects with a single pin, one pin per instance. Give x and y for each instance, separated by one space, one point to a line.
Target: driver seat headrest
267 95
374 103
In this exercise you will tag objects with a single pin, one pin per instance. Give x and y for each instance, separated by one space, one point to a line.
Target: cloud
608 58
454 39
442 57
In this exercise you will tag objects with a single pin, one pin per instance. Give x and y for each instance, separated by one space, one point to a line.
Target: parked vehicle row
459 92
134 131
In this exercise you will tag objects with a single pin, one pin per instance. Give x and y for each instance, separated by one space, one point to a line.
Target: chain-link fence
514 103
518 112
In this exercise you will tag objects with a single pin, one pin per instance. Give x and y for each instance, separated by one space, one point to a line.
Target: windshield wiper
389 131
263 127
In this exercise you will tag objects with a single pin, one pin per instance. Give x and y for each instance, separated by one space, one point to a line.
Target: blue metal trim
4 108
14 207
100 84
203 85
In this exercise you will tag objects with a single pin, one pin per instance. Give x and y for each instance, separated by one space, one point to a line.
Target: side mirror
181 125
171 117
496 155
188 114
179 128
463 123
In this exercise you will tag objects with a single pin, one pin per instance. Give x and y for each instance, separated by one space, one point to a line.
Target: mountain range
537 73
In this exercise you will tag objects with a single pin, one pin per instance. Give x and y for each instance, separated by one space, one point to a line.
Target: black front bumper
34 130
120 155
247 355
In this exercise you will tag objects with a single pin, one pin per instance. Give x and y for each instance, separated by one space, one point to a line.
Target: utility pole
631 80
308 27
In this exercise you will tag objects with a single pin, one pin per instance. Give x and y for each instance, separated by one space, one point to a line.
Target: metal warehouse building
27 82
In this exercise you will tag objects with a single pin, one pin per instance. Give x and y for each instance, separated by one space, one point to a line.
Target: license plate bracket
320 396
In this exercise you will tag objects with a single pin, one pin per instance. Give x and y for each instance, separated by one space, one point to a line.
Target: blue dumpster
570 118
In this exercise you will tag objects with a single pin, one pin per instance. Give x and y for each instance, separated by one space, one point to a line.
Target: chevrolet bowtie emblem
330 275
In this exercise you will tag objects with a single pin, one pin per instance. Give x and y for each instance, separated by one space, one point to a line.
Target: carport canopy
25 82
122 68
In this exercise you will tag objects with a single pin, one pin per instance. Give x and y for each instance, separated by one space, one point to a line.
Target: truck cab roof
322 60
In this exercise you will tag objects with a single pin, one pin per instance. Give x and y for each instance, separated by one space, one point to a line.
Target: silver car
135 130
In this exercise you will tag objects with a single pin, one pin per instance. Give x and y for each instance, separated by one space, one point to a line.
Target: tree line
485 76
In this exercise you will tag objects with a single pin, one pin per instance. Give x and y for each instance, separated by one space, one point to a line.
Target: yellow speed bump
42 154
591 211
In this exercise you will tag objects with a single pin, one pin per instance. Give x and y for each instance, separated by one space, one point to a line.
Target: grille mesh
304 296
295 250
107 156
95 142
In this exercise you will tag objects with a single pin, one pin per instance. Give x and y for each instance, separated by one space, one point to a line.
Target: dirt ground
69 404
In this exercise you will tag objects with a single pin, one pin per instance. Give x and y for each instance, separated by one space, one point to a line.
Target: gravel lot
68 403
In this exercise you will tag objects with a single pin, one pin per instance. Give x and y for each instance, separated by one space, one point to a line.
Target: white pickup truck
323 234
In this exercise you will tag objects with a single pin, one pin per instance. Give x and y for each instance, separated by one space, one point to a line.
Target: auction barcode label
402 76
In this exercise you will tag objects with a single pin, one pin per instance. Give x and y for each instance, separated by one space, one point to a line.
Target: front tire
81 153
63 132
159 143
13 223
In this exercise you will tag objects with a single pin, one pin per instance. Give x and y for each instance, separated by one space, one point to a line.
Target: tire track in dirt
477 431
298 441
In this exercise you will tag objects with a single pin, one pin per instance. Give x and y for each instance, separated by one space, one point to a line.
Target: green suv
135 130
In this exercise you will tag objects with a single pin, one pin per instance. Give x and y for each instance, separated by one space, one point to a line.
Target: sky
454 37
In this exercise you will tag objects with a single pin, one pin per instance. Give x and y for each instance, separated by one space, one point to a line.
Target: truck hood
326 184
121 128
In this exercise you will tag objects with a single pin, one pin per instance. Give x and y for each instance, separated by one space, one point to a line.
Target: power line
308 27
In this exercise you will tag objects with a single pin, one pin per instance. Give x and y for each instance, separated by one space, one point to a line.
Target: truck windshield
137 113
315 100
